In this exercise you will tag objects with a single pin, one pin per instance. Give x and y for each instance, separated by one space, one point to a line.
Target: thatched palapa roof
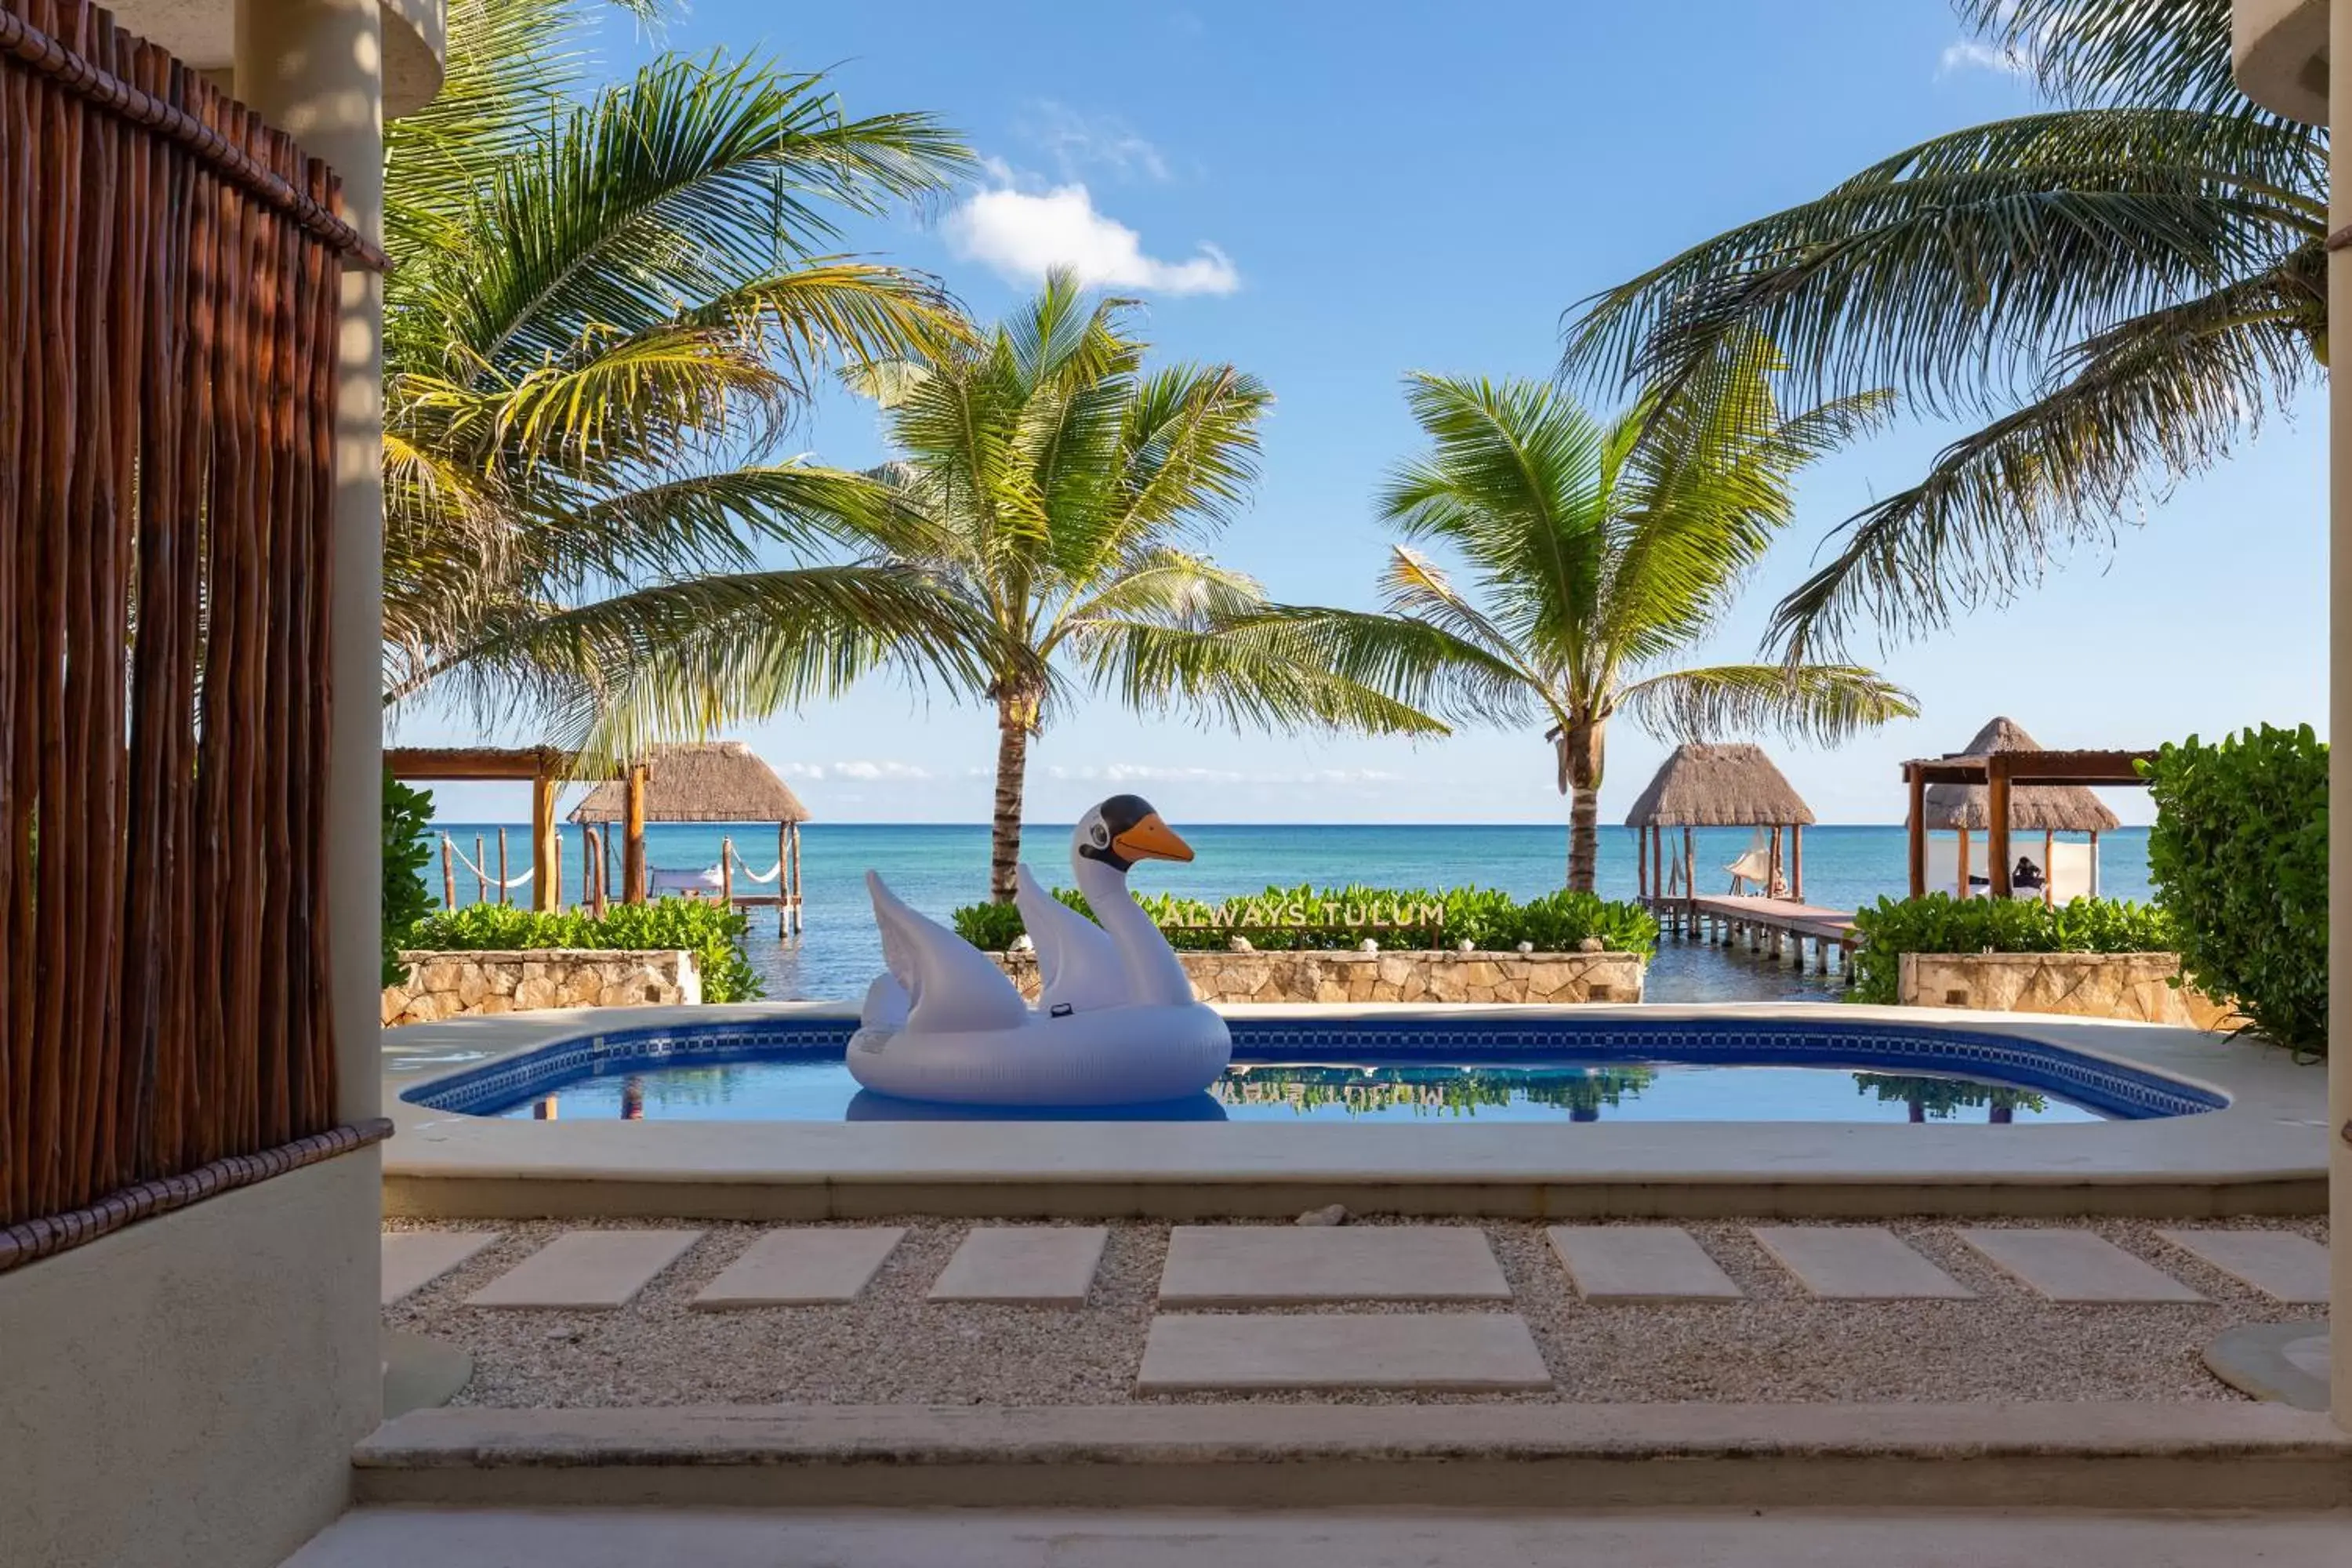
719 781
2033 808
1718 786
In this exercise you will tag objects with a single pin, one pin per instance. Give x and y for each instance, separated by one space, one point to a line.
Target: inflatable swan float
1116 1024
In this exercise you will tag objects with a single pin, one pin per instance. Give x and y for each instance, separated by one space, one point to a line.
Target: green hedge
2239 855
1491 921
712 933
407 849
1942 923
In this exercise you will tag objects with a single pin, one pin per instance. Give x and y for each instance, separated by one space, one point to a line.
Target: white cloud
1025 235
1077 142
869 772
1970 55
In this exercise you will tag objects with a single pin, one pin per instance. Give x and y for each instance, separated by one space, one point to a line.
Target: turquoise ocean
936 867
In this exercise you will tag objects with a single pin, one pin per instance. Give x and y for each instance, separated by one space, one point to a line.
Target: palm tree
608 308
1066 489
2118 288
1600 552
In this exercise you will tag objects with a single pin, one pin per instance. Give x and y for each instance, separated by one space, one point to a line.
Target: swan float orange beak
1151 839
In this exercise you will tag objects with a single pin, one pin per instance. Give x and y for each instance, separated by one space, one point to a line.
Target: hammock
467 861
662 879
744 868
1753 865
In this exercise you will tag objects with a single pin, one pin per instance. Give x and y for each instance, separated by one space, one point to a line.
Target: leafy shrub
1942 923
711 931
1490 920
407 849
2239 855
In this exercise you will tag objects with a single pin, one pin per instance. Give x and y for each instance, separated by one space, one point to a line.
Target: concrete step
1360 1538
2197 1455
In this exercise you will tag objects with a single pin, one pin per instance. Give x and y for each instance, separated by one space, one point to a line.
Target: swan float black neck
1125 829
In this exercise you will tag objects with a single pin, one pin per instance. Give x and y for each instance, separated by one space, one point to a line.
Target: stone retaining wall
2129 985
451 984
1546 977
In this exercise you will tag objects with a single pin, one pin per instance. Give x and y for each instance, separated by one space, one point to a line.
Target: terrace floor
461 1538
932 1311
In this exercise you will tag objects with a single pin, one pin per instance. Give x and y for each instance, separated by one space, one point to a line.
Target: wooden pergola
1995 771
547 768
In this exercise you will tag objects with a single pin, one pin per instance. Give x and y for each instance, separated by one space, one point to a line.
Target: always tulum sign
1298 914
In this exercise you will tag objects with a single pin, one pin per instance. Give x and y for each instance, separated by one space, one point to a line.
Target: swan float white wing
1077 959
950 985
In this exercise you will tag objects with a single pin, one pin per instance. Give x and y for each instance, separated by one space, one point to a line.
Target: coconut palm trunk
1583 741
1016 721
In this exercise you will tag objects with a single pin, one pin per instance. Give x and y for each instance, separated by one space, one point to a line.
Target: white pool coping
2264 1152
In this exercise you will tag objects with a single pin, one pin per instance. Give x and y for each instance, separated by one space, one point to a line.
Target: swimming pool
1371 1069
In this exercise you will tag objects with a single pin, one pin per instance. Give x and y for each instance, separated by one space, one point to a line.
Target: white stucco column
2339 728
314 68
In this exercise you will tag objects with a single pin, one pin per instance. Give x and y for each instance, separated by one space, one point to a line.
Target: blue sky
1330 195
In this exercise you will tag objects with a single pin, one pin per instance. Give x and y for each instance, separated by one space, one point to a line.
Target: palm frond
2174 52
1820 703
689 182
681 659
2153 400
1944 270
1261 674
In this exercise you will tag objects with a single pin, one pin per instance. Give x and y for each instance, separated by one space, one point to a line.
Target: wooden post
1918 783
1772 866
1642 862
727 874
2094 862
632 832
1962 874
2049 883
546 846
481 881
503 896
448 876
1997 826
1797 864
800 919
1690 865
604 866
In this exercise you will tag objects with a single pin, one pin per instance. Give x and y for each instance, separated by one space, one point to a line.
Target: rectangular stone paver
1418 1352
1272 1266
1856 1263
1024 1264
1637 1263
2076 1266
2279 1263
802 1268
588 1271
415 1259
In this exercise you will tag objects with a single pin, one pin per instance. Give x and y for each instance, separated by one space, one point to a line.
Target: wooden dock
1777 928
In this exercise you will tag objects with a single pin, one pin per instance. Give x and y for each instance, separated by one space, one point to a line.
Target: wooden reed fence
170 273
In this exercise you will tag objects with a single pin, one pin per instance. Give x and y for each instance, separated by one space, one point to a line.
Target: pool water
1411 1067
1517 1091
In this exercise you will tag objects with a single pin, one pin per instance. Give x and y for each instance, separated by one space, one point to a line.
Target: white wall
185 1393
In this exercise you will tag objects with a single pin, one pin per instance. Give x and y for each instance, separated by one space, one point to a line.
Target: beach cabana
2045 793
1720 786
717 781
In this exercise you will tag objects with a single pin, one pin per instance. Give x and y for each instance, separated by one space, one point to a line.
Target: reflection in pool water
821 1090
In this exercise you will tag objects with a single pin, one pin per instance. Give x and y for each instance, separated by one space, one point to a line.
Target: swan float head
1123 830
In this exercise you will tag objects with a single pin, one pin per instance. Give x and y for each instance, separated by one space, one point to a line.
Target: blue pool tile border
2110 1089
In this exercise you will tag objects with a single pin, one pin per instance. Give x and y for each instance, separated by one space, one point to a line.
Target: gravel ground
893 1347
